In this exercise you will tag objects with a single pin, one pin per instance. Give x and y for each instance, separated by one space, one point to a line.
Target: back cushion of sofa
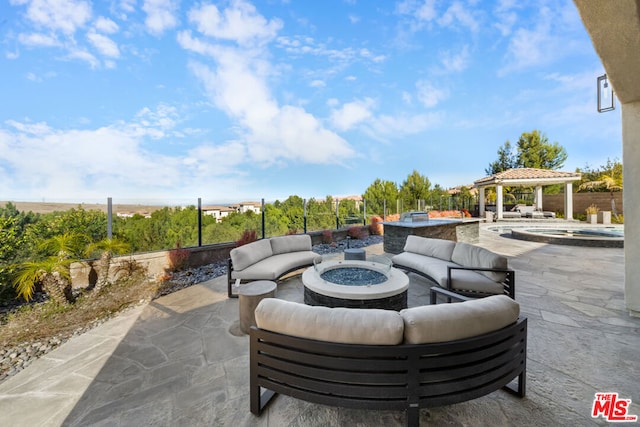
449 322
341 325
286 244
437 248
247 255
474 256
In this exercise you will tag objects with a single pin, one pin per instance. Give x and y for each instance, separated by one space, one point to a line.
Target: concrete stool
249 296
356 254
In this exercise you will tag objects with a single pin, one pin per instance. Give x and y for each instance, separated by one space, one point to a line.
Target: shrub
177 258
248 236
375 228
327 236
393 217
355 232
592 210
292 231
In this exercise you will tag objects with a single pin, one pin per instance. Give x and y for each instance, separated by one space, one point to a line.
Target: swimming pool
605 237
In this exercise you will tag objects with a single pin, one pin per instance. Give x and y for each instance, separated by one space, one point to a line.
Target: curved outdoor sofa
457 266
382 359
268 259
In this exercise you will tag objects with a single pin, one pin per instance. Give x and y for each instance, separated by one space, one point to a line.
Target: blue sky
168 100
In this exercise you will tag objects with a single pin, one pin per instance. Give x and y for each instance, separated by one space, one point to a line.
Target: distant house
357 199
255 207
458 189
218 212
131 214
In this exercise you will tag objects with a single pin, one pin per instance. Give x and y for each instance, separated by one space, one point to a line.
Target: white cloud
455 62
104 45
397 126
106 25
161 15
240 22
553 33
352 113
430 95
426 11
112 159
83 55
59 15
38 40
458 13
506 17
237 82
317 83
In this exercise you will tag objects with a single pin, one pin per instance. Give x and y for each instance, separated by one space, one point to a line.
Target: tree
416 187
506 160
376 194
293 210
533 150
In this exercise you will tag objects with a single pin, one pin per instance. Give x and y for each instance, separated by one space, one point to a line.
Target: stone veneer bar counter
396 232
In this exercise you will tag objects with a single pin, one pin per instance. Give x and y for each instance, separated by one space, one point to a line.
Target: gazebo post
538 197
568 200
499 201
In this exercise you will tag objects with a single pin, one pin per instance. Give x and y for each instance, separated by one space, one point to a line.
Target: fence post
304 217
384 209
337 217
109 218
263 235
364 201
199 222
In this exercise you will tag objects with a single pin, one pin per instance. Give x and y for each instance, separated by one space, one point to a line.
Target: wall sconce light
605 95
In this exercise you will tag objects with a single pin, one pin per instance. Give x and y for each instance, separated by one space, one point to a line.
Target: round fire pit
356 284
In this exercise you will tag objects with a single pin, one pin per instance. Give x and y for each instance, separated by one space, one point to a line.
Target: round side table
249 296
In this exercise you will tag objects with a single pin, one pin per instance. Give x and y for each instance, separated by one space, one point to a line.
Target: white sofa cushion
474 256
274 266
249 254
437 248
449 322
294 243
341 325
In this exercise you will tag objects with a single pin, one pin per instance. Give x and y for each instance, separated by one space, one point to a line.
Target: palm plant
607 182
52 272
107 248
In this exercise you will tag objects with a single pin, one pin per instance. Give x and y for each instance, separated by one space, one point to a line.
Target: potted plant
592 214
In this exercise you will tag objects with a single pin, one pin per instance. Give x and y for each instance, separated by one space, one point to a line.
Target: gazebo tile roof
529 174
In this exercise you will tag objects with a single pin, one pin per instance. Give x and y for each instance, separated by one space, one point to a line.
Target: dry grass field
48 207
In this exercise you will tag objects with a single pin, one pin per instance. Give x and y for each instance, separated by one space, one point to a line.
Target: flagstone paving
181 360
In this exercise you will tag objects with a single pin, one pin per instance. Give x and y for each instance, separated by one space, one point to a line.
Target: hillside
48 207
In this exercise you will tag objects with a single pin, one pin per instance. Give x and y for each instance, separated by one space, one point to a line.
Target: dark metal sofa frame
509 284
231 281
401 377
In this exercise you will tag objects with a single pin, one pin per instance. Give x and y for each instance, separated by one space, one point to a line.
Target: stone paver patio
181 360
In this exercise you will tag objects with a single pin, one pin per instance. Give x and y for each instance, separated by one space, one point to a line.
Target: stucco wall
555 202
84 274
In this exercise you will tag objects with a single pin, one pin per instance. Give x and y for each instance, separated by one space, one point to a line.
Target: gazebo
528 177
